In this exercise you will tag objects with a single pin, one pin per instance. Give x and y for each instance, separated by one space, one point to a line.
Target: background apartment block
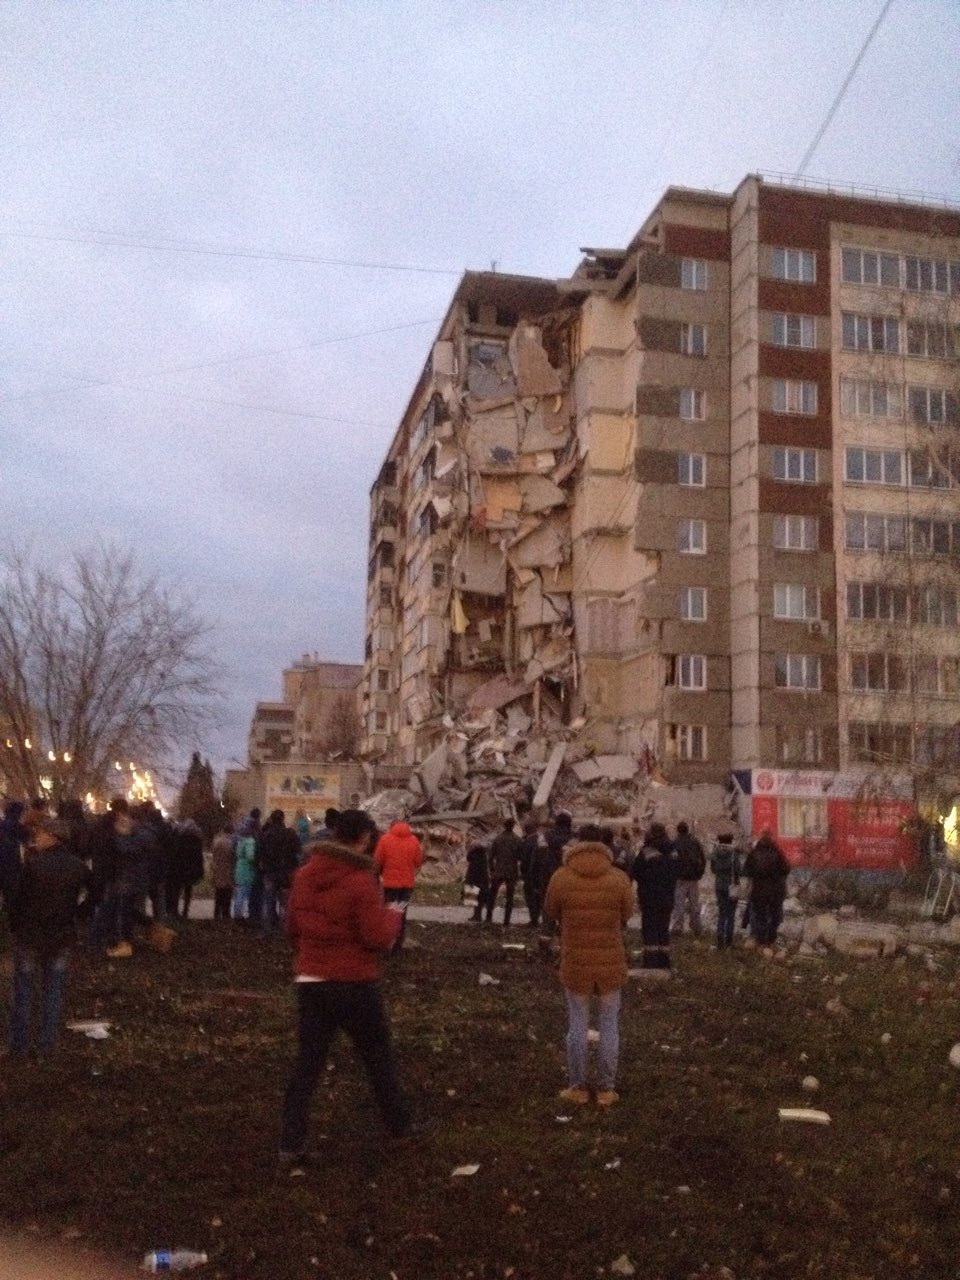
698 502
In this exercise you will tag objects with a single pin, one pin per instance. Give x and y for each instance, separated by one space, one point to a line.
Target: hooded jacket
592 901
337 918
397 855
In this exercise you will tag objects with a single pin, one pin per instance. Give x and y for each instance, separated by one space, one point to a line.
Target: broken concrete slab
542 794
533 373
480 567
495 693
538 493
489 372
429 772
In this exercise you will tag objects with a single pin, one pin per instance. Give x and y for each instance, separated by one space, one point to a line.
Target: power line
843 89
114 240
89 383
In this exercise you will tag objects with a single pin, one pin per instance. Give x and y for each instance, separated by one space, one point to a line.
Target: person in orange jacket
398 855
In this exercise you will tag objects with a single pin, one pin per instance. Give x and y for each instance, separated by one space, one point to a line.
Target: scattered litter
622 1266
513 946
810 1083
955 1056
593 1036
564 1119
91 1028
465 1171
804 1114
886 1038
487 980
683 1191
612 1164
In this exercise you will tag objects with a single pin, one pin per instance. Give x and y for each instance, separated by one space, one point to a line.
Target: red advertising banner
848 829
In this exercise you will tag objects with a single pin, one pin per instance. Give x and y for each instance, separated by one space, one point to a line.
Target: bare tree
341 728
99 663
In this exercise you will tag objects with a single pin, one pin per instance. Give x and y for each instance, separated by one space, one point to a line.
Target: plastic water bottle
173 1260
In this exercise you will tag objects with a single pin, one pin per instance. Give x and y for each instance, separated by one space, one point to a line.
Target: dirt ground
165 1133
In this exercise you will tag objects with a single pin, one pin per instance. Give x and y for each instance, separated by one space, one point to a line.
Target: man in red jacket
398 854
340 927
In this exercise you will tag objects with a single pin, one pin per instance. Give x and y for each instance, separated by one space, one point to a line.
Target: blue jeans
30 969
608 1050
241 901
324 1008
273 905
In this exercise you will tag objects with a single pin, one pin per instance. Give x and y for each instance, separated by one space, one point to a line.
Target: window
691 671
692 537
926 471
863 398
438 573
874 466
933 404
865 266
792 396
878 672
802 819
693 273
799 265
380 722
796 671
872 601
934 537
687 741
937 606
799 745
692 404
794 331
693 339
868 532
692 469
693 604
794 600
879 742
932 338
383 680
870 333
796 465
931 275
796 533
386 596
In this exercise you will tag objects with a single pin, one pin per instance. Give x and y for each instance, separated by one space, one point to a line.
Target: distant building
300 750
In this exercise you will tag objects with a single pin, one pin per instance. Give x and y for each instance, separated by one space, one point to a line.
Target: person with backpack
691 864
725 863
767 869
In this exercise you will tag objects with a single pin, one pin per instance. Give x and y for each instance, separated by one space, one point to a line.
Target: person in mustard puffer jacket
591 901
398 855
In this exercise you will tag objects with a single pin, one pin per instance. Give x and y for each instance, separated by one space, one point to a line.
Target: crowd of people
342 892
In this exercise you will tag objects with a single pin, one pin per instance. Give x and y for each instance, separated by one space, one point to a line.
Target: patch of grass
166 1133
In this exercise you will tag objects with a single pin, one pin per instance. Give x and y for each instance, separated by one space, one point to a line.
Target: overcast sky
225 410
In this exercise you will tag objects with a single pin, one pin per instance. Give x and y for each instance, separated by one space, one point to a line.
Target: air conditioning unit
820 629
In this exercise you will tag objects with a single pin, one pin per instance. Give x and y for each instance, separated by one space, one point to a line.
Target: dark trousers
402 898
221 903
533 899
510 888
726 914
655 931
357 1008
765 917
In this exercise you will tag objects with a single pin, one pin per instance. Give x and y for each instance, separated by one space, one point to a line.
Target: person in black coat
184 866
478 877
505 849
767 869
49 892
278 856
655 872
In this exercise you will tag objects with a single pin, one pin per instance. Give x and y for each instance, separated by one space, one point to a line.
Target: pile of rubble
493 764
